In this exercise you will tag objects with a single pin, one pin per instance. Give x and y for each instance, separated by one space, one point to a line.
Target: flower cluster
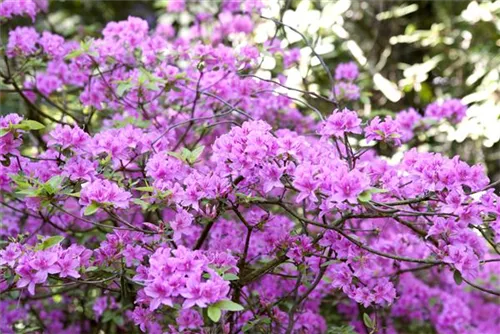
341 123
387 130
453 110
185 270
104 192
10 8
34 266
345 88
347 71
159 182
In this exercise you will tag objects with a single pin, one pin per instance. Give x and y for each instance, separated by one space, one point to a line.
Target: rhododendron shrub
152 181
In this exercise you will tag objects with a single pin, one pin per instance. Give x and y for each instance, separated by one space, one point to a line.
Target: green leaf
30 192
57 298
52 185
118 319
33 125
152 86
229 305
105 161
160 4
366 195
457 276
252 324
230 277
329 262
146 73
378 190
73 54
185 153
143 204
214 313
176 155
85 45
20 180
107 316
180 76
4 131
91 209
146 189
346 329
122 87
368 321
31 329
51 241
249 199
195 154
188 156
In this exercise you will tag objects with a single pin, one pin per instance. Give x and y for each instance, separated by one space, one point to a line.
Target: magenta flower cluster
159 184
345 88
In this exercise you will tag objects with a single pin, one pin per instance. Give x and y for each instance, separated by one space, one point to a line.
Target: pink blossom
347 71
104 192
341 123
22 41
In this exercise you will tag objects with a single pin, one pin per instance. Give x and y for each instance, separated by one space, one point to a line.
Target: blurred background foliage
410 53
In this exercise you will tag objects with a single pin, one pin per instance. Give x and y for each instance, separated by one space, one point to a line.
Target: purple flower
104 192
10 254
35 268
347 71
347 91
348 185
291 57
388 131
134 254
306 183
47 83
78 168
271 177
9 119
181 222
363 296
176 5
143 317
160 293
453 110
408 120
341 277
442 226
52 44
384 292
22 42
44 262
189 319
67 136
10 8
68 266
100 305
341 123
27 277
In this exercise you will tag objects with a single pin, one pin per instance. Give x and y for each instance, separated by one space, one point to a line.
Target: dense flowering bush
157 183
